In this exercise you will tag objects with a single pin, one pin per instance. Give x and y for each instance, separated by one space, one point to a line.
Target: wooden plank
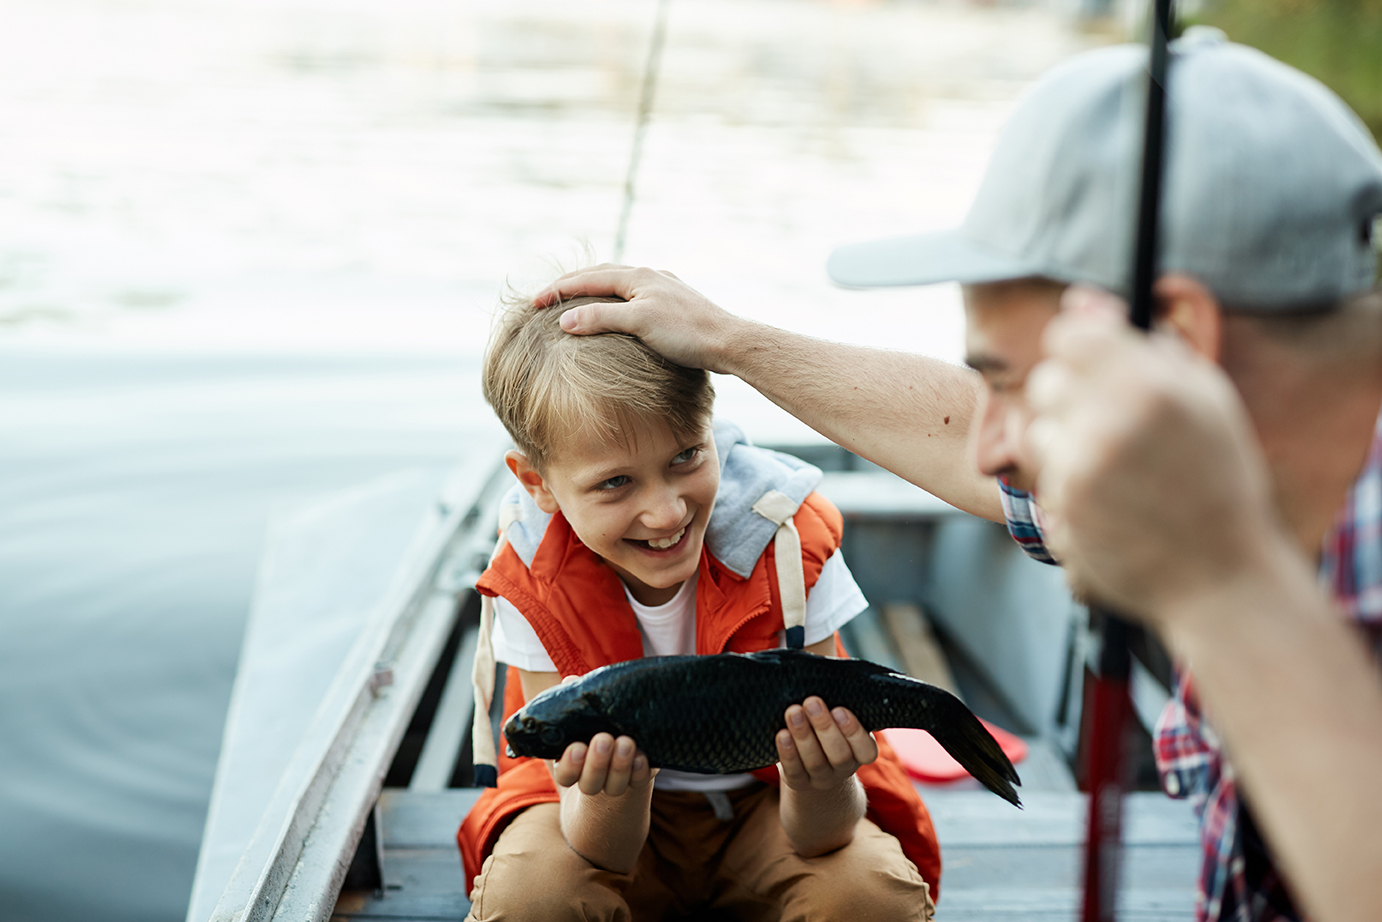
1054 819
419 883
437 761
1025 868
865 638
921 652
1058 905
413 819
423 878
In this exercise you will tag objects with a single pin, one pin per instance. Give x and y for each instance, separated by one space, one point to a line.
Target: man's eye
688 455
613 483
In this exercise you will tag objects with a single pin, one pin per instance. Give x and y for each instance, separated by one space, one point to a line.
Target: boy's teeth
663 543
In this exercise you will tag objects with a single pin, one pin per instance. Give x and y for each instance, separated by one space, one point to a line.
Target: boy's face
642 506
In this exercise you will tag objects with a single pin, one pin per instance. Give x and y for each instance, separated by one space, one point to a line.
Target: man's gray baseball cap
1270 191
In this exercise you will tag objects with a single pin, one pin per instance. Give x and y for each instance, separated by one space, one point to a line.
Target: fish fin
969 742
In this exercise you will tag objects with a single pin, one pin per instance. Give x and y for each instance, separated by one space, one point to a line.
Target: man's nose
995 451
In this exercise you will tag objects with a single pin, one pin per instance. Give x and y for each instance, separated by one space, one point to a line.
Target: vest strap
486 758
779 508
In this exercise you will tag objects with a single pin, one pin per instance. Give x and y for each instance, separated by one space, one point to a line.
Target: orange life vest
566 581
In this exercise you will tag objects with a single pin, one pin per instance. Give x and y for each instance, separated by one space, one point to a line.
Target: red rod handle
1106 774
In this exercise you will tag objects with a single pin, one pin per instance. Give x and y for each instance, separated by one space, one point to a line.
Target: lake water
248 258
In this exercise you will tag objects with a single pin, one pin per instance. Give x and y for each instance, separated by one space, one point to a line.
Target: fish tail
969 742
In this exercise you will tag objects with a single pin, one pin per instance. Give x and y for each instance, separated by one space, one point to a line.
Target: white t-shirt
670 630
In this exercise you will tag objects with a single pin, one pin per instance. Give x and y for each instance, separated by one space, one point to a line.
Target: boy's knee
884 894
559 891
868 879
533 875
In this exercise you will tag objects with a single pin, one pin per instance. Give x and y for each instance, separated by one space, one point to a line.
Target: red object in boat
925 760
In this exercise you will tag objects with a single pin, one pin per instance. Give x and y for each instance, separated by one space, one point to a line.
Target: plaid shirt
1238 881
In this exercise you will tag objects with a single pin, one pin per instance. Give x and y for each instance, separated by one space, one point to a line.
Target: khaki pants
695 866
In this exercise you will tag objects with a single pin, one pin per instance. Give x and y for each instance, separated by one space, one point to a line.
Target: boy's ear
532 481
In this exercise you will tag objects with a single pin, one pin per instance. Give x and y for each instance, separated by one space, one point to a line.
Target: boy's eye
688 455
613 483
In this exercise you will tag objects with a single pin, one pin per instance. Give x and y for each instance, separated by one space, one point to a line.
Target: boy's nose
665 510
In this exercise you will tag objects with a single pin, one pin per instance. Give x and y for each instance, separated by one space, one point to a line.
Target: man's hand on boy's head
606 766
659 308
821 748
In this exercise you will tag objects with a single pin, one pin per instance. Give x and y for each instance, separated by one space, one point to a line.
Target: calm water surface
136 493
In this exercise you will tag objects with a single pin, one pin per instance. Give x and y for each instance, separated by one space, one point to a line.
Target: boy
636 529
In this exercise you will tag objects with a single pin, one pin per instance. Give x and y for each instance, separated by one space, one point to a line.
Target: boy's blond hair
547 386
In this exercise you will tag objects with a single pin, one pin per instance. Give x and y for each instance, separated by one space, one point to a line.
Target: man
1272 187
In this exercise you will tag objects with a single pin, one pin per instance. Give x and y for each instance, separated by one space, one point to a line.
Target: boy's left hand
821 748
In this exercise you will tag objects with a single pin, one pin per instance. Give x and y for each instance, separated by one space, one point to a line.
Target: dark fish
720 714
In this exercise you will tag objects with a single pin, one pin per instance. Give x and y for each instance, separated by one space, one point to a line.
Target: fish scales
720 714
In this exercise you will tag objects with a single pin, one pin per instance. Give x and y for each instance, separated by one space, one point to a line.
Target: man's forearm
1299 704
908 413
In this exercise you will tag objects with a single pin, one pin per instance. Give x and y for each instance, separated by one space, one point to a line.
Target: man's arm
1299 705
606 791
1158 502
907 413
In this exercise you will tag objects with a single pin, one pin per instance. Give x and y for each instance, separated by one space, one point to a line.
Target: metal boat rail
301 851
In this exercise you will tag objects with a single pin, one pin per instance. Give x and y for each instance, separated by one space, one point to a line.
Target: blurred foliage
1339 42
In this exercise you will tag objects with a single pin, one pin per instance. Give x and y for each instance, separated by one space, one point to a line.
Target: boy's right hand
608 765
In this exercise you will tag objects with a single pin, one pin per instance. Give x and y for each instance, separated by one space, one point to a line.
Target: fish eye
551 736
529 724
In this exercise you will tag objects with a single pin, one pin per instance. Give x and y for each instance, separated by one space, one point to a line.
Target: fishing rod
645 111
1111 705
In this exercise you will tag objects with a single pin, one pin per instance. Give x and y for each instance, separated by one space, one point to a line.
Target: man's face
641 505
1003 326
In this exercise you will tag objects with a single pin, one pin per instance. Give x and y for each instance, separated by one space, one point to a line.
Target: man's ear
532 481
1189 310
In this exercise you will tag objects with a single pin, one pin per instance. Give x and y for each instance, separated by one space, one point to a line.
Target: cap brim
922 259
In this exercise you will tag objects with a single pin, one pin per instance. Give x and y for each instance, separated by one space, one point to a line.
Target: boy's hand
606 766
821 749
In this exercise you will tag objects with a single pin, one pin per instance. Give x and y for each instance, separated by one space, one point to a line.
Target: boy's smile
641 504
